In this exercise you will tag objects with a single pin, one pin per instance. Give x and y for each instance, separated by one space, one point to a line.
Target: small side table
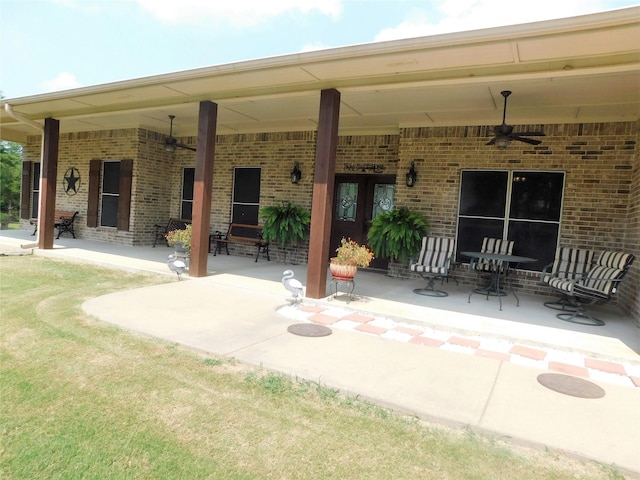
350 284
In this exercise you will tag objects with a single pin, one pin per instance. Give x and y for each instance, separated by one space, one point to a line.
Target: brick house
360 116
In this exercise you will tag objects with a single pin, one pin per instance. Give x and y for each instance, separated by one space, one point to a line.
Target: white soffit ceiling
569 70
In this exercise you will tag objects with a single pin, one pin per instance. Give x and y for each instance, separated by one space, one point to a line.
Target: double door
358 200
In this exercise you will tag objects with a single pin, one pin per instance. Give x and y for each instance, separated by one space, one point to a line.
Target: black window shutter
25 211
124 200
94 193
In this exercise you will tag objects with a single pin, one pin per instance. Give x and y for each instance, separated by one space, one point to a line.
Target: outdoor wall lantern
412 176
296 174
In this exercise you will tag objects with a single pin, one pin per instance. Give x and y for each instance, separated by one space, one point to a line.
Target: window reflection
346 206
383 198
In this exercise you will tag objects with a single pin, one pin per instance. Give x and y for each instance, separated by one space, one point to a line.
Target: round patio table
496 260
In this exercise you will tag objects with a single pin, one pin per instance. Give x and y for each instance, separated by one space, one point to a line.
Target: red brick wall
630 294
602 189
601 202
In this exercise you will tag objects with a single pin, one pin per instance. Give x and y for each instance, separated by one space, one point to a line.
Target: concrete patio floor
445 360
381 295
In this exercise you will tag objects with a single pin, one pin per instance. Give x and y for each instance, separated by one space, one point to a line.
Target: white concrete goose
293 285
176 265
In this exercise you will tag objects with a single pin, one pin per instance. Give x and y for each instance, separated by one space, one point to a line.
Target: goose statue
176 265
293 285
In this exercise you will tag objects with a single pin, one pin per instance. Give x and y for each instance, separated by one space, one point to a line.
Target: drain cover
576 387
309 330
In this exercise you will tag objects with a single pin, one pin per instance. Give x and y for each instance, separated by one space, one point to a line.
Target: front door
359 199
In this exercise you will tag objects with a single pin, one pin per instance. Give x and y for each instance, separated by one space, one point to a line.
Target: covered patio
433 102
375 294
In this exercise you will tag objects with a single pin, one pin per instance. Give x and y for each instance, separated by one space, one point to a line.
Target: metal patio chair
569 263
492 245
433 263
598 285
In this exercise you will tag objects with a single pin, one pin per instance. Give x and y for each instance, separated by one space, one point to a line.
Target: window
110 194
110 184
186 205
35 206
523 206
245 204
346 206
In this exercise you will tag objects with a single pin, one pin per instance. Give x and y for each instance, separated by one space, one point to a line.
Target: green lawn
85 400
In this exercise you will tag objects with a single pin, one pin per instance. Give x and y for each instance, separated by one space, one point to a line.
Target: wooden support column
322 201
49 172
203 183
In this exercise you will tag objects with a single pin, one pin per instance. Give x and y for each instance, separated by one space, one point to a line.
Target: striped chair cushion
601 281
618 260
562 284
435 255
568 263
493 245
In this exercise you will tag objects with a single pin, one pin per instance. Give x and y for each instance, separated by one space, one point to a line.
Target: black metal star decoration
72 181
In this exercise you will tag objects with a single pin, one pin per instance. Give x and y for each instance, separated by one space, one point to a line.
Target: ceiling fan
504 133
171 143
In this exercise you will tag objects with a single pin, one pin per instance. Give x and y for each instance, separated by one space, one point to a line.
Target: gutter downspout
21 118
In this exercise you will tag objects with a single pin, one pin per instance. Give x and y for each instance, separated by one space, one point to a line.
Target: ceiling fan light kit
504 133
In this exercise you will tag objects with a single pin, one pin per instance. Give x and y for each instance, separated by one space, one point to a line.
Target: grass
85 400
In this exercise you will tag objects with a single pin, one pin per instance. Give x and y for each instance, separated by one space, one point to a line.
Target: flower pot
341 270
180 249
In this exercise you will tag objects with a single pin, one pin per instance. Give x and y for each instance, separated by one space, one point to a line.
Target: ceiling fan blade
186 147
530 134
492 141
530 141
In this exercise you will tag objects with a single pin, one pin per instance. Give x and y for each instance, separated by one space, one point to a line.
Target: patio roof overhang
573 70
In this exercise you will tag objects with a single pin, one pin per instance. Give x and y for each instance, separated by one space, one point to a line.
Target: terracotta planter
342 271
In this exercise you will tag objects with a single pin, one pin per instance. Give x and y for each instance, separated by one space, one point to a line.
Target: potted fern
397 234
286 224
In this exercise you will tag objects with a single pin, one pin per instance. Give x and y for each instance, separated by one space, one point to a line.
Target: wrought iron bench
240 233
63 221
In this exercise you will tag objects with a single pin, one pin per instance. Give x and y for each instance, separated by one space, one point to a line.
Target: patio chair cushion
433 262
599 281
598 284
492 245
569 262
435 256
602 280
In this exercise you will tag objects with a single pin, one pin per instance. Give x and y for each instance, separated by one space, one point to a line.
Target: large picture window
186 204
245 204
523 206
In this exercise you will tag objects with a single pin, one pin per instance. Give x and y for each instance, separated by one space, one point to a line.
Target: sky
52 45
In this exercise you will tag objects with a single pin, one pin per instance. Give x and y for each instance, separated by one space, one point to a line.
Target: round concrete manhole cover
576 387
309 330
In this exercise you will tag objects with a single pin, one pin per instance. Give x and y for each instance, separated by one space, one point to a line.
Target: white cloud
239 13
312 47
64 81
462 15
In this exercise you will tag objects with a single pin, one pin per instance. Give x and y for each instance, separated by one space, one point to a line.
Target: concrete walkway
445 365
